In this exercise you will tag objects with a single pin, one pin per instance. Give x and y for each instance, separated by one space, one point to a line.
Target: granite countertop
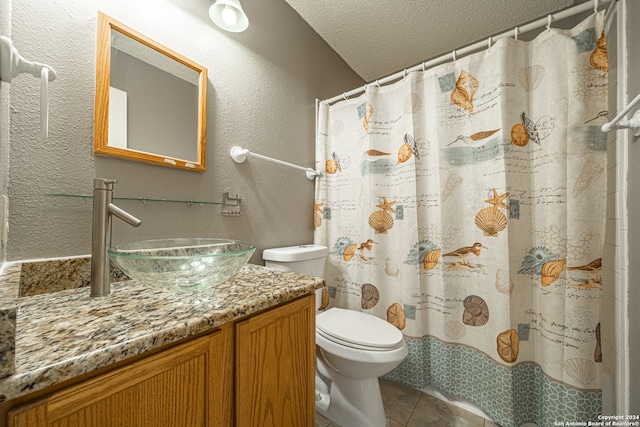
65 334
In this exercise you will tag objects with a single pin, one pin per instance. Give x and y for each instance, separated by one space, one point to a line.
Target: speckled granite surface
8 302
53 275
7 341
65 334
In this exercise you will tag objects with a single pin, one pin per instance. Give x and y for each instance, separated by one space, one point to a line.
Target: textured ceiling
379 37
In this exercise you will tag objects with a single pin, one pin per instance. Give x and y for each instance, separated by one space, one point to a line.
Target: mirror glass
150 100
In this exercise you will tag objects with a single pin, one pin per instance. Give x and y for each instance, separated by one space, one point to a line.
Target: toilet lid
357 328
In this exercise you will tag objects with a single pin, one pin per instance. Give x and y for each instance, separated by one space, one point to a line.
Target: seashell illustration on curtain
411 147
503 282
476 311
491 220
535 260
349 252
598 57
345 248
508 345
396 316
365 111
370 296
451 184
522 133
584 371
412 104
381 221
337 163
424 253
431 259
391 268
317 215
454 329
336 128
331 165
324 302
466 87
551 271
531 77
590 171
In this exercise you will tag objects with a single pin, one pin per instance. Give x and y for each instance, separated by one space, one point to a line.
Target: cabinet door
181 386
275 367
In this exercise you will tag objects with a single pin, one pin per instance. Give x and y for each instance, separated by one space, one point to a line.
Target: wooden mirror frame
103 81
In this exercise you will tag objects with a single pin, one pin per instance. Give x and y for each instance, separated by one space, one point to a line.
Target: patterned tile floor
408 407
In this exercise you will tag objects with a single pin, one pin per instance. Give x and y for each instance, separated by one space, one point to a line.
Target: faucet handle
103 183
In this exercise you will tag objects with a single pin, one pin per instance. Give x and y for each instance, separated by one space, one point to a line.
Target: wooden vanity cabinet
180 387
275 367
263 367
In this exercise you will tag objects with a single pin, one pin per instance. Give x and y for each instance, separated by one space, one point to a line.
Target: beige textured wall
5 30
261 95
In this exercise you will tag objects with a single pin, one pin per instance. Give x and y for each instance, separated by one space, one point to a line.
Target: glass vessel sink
182 264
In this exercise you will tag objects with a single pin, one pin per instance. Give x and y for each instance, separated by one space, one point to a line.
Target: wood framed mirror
150 101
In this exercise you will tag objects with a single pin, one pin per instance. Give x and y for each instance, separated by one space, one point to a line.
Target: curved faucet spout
103 210
123 215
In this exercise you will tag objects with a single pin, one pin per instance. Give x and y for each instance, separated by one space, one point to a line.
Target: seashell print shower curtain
466 206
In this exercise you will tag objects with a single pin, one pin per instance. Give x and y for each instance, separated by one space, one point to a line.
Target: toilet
353 348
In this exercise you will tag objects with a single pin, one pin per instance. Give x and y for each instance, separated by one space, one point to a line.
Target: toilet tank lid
295 253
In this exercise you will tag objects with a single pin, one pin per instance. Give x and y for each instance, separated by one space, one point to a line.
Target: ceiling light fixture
228 15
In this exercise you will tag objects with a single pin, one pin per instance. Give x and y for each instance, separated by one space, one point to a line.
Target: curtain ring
423 67
489 43
453 55
377 83
549 22
517 30
595 6
344 95
404 73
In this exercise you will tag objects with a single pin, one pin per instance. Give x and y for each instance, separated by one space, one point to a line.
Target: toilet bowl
353 348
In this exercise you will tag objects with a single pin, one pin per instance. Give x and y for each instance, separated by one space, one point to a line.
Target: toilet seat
358 330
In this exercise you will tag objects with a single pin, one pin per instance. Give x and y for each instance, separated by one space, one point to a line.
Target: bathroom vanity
238 354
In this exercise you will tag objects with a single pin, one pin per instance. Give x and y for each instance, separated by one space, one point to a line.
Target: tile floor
408 407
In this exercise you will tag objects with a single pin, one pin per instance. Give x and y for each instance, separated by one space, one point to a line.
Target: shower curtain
465 204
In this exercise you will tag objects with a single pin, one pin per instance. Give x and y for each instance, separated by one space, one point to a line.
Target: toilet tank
304 259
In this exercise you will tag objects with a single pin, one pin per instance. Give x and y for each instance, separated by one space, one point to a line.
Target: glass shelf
139 199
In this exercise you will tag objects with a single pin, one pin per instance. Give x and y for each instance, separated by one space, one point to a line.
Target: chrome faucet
103 209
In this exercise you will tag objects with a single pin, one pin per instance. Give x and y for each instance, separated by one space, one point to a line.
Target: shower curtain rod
542 22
